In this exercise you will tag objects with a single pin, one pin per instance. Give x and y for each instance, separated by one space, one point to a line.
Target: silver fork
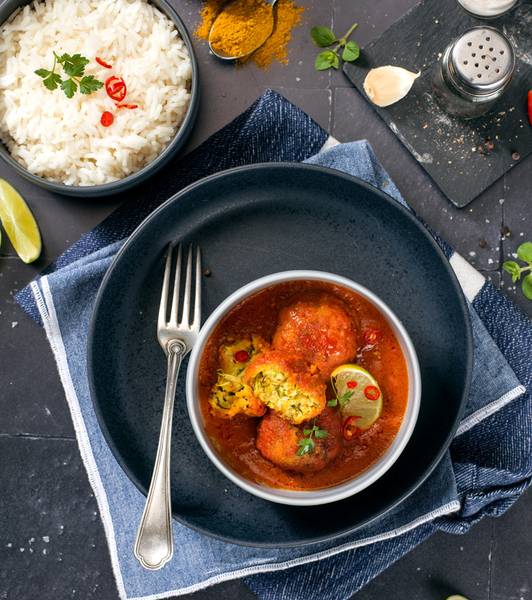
154 543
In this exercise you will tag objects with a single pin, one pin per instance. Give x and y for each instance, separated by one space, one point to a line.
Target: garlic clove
387 85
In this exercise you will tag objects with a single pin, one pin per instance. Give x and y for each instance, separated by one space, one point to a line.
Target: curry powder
242 27
243 24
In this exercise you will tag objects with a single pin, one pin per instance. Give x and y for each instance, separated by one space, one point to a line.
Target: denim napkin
487 468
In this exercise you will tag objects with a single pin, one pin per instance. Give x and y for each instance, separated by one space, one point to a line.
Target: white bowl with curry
303 388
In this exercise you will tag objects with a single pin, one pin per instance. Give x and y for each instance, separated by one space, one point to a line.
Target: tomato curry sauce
378 351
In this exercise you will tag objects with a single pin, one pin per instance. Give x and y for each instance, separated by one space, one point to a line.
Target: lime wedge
19 224
358 393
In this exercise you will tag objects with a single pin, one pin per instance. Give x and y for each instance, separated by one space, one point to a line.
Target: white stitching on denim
439 512
489 409
46 308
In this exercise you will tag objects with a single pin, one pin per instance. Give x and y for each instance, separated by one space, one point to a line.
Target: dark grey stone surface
45 494
415 42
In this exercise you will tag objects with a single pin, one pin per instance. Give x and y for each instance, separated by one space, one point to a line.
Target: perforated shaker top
483 59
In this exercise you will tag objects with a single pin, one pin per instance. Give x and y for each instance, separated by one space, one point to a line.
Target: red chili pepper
371 392
127 106
350 430
102 62
107 119
530 106
371 336
116 88
352 384
241 356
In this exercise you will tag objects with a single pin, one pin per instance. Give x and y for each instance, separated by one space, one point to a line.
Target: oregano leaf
325 60
524 252
512 268
351 52
322 36
526 286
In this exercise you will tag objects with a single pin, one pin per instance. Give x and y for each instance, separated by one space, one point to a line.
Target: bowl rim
177 142
360 481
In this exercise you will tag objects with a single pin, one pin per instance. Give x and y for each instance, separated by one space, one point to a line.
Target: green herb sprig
324 38
74 66
342 400
307 444
524 253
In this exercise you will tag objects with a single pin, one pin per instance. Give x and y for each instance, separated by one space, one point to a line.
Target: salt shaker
473 73
487 9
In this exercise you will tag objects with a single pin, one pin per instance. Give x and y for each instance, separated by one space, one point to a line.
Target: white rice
62 139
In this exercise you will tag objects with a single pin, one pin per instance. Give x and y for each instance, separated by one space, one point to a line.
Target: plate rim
410 215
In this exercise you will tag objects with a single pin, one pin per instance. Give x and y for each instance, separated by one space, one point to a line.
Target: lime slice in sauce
359 395
19 224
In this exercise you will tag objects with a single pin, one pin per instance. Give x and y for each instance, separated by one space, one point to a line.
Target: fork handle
154 543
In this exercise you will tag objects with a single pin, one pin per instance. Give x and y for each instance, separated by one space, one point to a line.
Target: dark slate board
447 147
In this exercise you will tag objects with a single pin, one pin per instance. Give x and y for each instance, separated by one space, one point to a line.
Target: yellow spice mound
242 27
243 24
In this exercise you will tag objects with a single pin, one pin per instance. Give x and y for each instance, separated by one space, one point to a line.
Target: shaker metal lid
482 59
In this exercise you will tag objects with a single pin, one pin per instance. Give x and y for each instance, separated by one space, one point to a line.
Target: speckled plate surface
250 222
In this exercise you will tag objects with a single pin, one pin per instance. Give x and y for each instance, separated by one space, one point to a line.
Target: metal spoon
268 29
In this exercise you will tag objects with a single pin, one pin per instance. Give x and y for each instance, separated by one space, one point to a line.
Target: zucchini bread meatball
285 384
319 329
279 441
230 395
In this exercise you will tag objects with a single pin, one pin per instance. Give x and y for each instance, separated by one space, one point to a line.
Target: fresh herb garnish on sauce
73 66
324 38
307 444
342 400
524 253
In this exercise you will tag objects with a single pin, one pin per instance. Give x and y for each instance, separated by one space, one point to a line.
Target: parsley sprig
324 38
74 66
524 253
342 400
307 444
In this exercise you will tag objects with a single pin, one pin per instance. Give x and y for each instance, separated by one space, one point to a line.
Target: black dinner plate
250 222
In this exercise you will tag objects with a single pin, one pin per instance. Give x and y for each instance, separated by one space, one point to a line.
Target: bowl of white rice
125 94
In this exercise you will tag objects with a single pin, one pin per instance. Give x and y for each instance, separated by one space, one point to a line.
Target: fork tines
180 311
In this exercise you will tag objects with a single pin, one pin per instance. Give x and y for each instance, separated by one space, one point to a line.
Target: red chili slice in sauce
102 62
371 392
371 336
241 356
116 88
131 106
352 384
107 119
349 429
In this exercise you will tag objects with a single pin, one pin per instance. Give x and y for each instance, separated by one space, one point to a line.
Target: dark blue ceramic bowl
7 8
